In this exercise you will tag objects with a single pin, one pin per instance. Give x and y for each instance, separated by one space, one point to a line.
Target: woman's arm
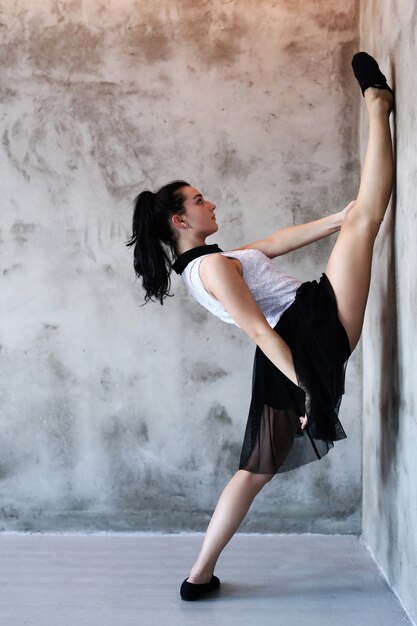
288 239
222 278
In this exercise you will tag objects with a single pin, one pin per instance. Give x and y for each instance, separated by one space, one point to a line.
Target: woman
304 332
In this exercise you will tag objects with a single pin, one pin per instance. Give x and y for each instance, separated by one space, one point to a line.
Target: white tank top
273 290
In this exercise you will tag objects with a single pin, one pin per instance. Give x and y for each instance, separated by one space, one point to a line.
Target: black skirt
274 441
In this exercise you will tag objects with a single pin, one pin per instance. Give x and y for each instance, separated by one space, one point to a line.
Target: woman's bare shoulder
208 266
211 260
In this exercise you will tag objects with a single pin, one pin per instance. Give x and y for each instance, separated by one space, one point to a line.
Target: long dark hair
153 236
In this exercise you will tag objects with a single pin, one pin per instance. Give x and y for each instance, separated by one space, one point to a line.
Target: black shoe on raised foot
367 72
194 591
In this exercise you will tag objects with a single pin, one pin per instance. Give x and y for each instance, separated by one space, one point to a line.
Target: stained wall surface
388 31
121 417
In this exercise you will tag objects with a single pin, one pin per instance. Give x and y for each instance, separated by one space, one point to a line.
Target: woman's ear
178 222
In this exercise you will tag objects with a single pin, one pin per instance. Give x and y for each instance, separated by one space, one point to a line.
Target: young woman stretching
304 331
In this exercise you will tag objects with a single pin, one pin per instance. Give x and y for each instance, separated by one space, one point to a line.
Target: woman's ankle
199 575
378 101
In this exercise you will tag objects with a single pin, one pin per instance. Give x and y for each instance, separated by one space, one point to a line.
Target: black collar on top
183 259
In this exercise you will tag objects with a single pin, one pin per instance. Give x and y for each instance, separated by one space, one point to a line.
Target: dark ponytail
153 236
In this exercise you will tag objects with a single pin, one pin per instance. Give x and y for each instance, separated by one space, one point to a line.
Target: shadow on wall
390 391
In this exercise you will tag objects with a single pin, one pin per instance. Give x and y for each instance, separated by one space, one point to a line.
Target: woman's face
199 212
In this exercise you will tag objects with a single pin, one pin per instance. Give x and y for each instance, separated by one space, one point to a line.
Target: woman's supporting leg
349 265
230 510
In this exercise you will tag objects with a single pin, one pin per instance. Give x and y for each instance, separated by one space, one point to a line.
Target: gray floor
121 580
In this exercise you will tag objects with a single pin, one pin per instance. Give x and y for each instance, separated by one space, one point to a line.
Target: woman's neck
190 246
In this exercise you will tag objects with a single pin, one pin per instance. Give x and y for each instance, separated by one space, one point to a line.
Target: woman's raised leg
350 262
230 510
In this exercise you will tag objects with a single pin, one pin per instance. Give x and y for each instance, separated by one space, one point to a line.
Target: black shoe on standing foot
367 72
194 591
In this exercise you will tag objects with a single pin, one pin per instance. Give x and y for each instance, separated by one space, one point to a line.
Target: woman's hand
303 421
346 210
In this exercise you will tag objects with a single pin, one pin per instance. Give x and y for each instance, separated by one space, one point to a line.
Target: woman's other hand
303 421
346 210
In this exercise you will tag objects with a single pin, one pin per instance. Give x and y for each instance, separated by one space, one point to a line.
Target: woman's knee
362 222
258 480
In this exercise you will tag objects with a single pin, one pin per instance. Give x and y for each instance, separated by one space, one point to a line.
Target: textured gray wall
388 31
120 417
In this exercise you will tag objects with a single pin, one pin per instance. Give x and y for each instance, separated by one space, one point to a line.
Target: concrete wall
126 418
388 31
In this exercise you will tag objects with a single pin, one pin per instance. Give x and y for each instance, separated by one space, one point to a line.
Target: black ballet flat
194 591
367 72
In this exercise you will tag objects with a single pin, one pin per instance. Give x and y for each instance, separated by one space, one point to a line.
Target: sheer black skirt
274 441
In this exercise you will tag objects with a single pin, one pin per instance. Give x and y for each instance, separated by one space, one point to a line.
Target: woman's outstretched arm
223 280
288 239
